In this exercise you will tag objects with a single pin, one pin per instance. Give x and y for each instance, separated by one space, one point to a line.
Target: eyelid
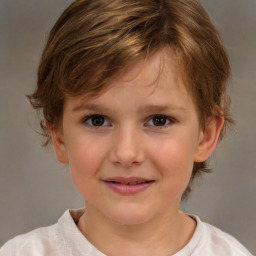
168 118
88 117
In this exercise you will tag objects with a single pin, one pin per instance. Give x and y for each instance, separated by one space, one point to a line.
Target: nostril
126 152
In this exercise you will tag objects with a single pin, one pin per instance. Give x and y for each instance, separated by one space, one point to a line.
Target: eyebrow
145 108
160 108
91 106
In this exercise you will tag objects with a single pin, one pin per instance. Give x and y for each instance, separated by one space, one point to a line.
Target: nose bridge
127 147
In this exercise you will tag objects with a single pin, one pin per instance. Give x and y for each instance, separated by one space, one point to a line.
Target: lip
123 186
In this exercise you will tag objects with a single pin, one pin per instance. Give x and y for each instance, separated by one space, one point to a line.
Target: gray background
35 189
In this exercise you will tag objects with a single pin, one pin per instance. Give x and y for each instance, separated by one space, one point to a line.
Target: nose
127 148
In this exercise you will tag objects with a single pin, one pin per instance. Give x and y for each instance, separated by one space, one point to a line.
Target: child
134 100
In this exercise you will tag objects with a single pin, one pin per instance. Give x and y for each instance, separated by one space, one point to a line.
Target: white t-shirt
64 238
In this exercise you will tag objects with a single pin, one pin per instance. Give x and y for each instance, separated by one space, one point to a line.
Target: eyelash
169 120
89 117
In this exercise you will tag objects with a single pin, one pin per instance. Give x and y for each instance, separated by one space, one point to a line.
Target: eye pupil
98 120
159 120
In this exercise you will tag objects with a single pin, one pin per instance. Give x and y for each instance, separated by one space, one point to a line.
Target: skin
128 143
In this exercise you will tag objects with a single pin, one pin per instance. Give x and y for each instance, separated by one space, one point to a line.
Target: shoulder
60 239
41 241
216 242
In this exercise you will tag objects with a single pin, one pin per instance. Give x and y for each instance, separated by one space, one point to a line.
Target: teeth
130 183
133 183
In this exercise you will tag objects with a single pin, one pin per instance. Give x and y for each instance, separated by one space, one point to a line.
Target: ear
209 138
58 143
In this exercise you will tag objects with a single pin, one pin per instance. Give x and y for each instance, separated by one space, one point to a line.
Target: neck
164 235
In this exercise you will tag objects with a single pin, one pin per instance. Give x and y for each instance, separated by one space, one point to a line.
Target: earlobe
58 143
209 139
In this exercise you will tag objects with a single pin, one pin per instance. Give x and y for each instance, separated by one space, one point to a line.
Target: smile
130 183
128 186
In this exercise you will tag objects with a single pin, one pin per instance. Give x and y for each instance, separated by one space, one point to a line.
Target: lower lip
128 189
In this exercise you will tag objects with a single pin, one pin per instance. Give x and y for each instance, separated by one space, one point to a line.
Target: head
93 42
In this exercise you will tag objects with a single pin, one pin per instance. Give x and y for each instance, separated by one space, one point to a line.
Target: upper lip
127 180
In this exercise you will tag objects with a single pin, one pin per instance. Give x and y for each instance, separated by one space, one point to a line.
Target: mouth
130 183
128 180
128 186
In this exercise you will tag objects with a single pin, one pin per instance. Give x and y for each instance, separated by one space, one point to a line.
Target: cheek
174 160
86 156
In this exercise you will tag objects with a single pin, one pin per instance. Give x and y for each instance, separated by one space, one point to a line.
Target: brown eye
96 120
159 120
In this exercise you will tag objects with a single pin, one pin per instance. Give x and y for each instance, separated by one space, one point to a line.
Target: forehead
156 70
156 81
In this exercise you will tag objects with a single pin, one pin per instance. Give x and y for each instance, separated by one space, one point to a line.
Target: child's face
144 128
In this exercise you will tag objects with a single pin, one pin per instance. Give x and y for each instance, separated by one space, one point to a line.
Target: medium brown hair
94 41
